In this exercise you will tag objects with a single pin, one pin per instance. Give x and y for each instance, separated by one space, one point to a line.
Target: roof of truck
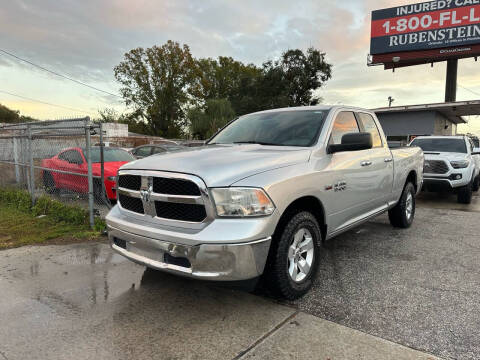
313 108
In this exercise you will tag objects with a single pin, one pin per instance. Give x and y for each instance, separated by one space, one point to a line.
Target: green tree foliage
206 122
171 92
157 82
12 116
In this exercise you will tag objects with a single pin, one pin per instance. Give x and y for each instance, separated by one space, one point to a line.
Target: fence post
31 165
102 168
16 159
89 166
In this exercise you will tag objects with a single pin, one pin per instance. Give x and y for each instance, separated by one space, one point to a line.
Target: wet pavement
84 302
380 293
419 287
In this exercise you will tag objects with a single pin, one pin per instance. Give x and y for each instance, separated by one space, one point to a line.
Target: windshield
283 128
441 145
110 155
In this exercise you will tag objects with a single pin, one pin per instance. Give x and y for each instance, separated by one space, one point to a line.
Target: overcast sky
86 39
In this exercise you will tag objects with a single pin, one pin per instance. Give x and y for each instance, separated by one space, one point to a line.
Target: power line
57 74
47 103
473 92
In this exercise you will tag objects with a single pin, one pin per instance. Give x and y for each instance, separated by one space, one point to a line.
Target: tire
97 193
464 195
402 215
286 259
49 183
476 184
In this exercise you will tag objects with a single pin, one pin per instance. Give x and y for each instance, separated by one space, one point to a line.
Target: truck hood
449 156
223 165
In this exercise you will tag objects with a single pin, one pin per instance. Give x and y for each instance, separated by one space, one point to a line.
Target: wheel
49 183
476 184
402 214
465 194
294 257
97 193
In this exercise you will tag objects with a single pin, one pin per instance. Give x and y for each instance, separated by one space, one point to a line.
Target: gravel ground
419 287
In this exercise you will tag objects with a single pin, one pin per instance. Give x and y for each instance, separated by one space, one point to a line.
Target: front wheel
476 184
402 214
465 194
294 257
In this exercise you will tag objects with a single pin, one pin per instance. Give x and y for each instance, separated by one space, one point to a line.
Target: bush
44 205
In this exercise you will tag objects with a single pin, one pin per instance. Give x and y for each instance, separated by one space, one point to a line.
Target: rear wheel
294 257
402 214
49 183
465 194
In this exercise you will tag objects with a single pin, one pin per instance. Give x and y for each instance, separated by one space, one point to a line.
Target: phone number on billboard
441 20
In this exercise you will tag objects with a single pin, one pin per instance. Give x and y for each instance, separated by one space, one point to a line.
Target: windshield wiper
257 142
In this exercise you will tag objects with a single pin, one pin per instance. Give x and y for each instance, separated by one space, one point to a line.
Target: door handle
387 160
366 163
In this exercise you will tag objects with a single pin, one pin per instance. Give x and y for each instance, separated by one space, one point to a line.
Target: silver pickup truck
262 196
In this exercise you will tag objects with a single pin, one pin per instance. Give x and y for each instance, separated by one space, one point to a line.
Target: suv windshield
110 155
441 145
282 128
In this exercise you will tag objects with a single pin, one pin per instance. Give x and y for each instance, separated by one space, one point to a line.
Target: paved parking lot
381 293
418 287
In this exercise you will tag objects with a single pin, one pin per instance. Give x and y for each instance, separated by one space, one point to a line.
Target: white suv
451 164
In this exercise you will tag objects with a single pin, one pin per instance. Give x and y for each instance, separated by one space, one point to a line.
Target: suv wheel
402 214
465 194
294 257
476 183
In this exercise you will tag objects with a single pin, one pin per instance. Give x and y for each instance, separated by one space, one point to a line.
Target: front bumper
219 262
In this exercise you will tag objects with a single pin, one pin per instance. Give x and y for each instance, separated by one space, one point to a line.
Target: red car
74 160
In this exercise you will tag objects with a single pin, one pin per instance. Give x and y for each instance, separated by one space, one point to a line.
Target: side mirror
476 151
352 142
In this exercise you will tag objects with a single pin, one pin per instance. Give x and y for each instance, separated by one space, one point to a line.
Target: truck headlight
112 178
241 202
460 164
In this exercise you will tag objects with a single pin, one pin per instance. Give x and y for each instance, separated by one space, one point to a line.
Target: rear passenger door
381 162
351 179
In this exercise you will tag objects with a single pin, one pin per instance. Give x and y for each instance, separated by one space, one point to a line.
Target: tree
13 116
205 123
158 83
293 78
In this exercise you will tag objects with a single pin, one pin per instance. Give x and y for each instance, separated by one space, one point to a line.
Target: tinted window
110 155
441 145
345 123
72 156
143 151
283 128
370 127
158 150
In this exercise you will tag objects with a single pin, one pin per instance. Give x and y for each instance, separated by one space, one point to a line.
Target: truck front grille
435 167
131 203
182 212
131 182
164 196
174 186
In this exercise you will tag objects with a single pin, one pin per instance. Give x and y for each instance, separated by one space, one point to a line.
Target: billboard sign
439 24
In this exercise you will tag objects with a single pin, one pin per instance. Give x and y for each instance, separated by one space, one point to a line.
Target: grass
19 228
48 221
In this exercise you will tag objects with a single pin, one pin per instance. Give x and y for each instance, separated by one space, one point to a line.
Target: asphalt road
380 293
418 287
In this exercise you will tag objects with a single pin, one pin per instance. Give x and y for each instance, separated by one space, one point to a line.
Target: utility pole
451 82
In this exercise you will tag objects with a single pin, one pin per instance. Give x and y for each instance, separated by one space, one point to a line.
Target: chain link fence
56 158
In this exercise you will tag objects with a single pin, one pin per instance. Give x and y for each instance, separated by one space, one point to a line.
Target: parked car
146 150
452 164
262 196
72 161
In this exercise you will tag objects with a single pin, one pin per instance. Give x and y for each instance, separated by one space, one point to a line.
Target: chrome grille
168 198
435 167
